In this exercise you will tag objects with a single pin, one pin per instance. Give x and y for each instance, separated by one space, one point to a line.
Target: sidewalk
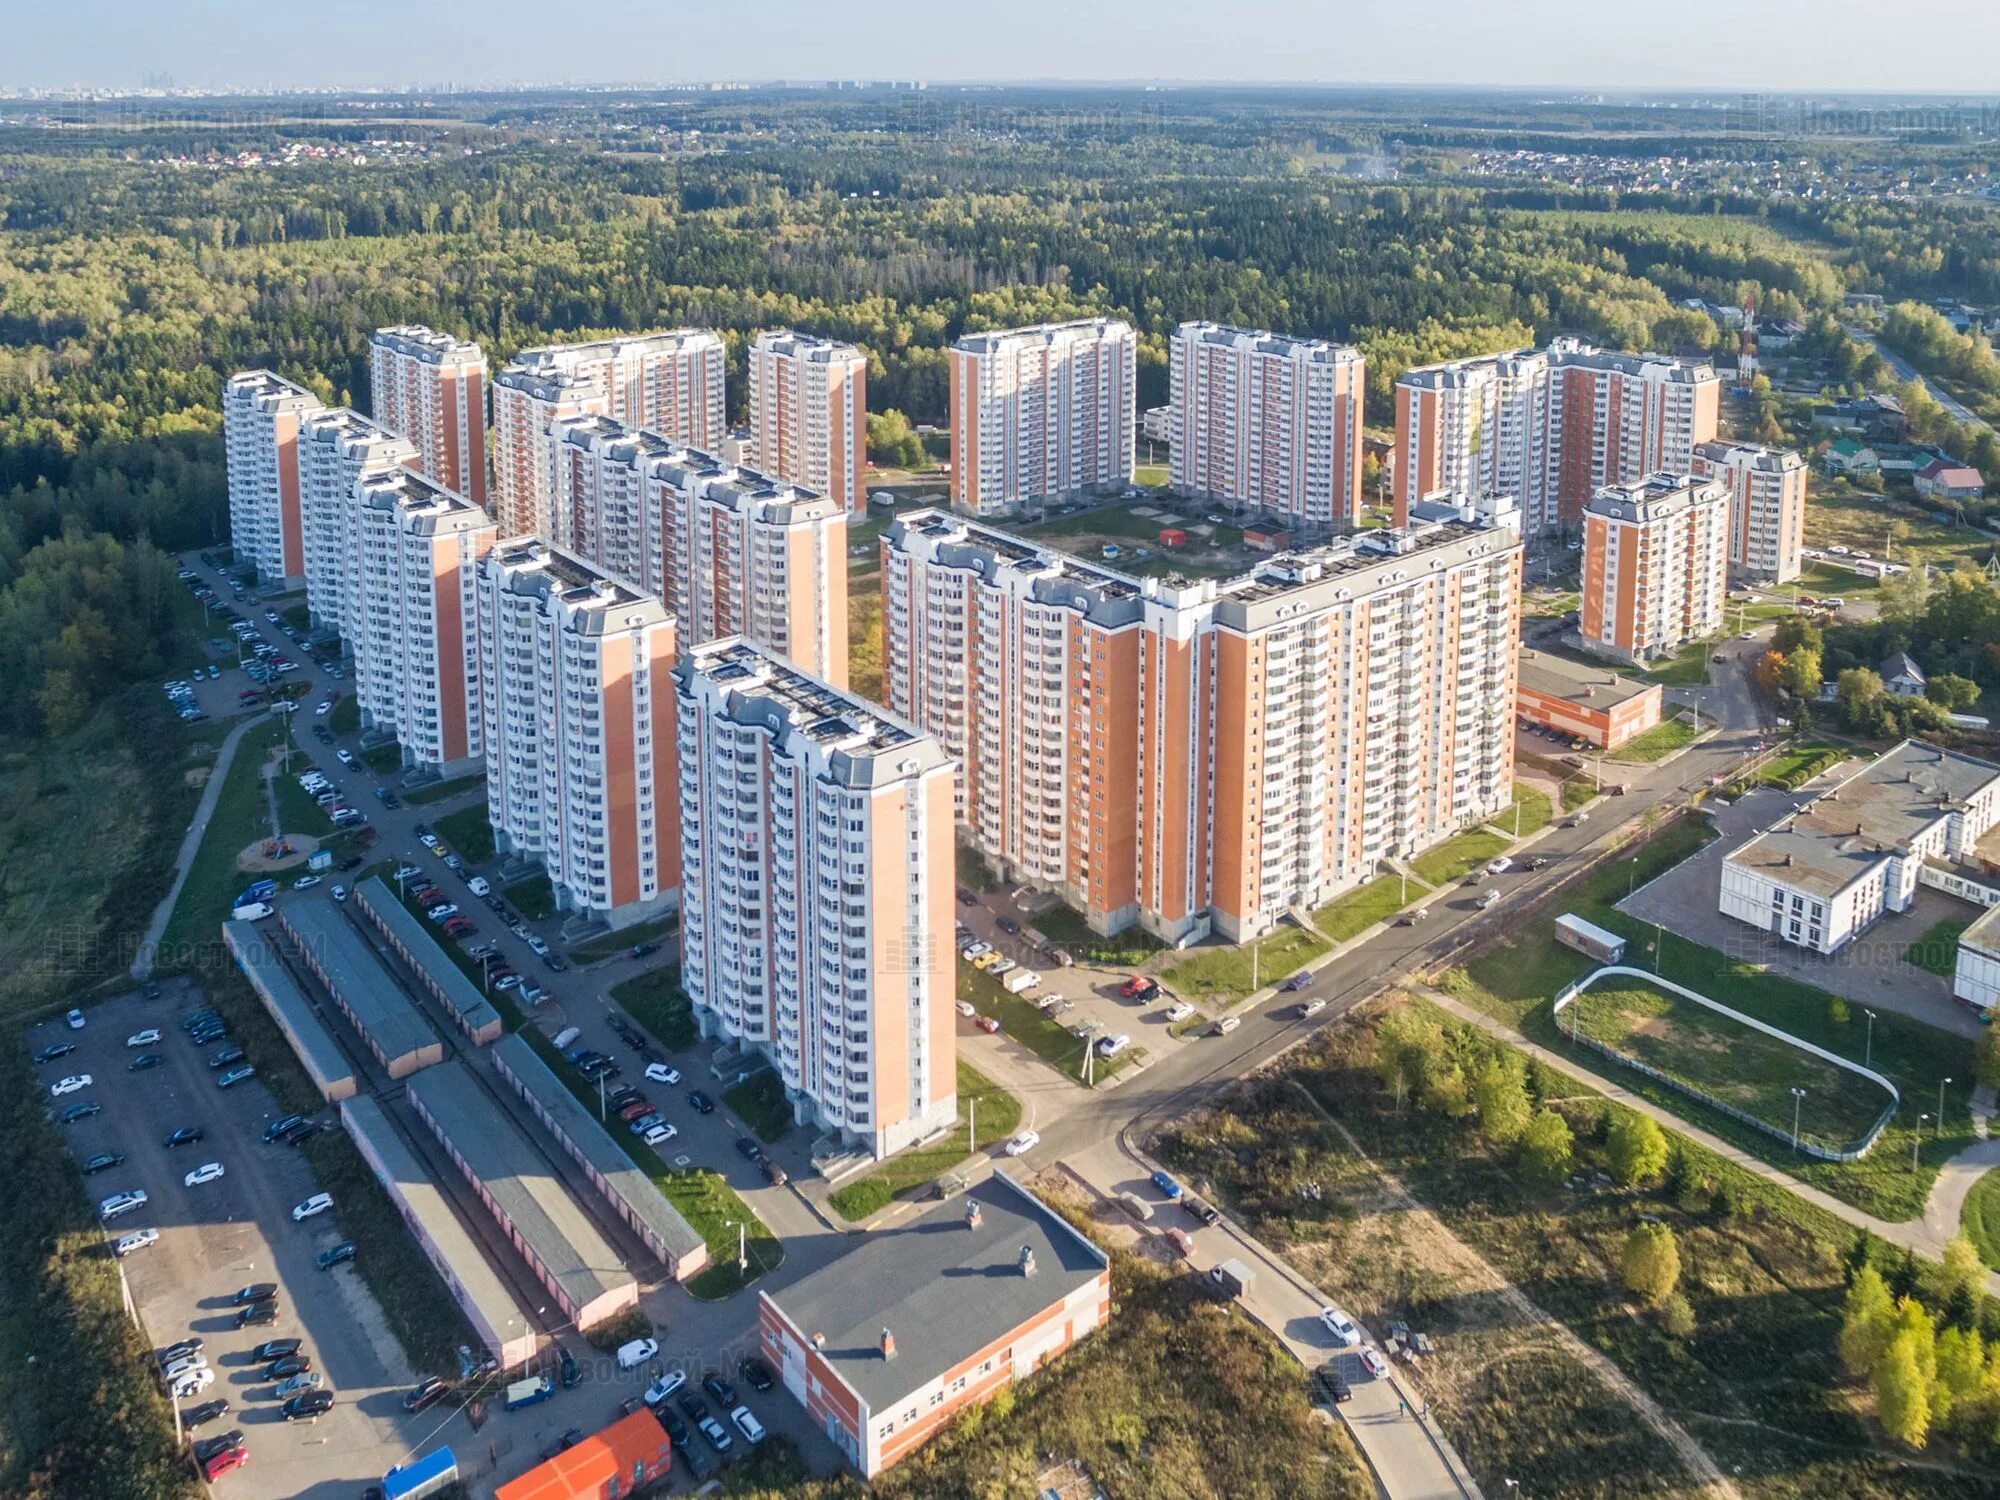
211 793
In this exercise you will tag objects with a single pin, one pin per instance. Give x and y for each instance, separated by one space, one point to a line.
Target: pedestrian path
225 754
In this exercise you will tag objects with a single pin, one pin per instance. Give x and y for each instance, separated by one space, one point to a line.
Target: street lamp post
1868 1052
1916 1140
1798 1100
1940 1115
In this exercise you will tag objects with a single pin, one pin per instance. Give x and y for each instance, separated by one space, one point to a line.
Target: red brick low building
884 1345
1592 703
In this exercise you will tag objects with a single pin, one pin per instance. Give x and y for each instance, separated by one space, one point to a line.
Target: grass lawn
1531 813
710 1205
982 1105
973 872
759 1101
655 1001
1229 973
241 816
1732 1062
1793 768
1578 791
1067 930
383 759
1657 743
1458 857
1517 979
1936 952
468 832
1981 1221
1151 475
534 897
1688 667
297 811
1862 521
1820 579
1048 1039
345 716
1351 915
443 791
611 944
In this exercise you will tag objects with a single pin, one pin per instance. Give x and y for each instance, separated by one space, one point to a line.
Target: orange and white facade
1264 421
816 892
1042 413
1767 506
1655 565
1549 427
262 415
580 741
336 448
669 381
809 415
431 388
731 551
416 653
1203 757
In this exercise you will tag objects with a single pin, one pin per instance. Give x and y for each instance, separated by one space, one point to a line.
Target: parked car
637 1352
700 1103
235 1076
308 1408
713 1434
336 1255
104 1161
719 1388
1169 1189
1023 1143
431 1388
318 1203
756 1374
258 1315
659 1072
288 1365
1343 1329
747 1424
138 1239
1139 987
207 1172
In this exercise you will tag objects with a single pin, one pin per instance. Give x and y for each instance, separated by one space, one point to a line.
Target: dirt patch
196 778
267 855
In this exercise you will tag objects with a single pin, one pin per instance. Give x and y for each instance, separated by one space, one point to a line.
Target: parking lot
226 1234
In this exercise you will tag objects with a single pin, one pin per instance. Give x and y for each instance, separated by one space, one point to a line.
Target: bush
1546 1148
1651 1262
1637 1148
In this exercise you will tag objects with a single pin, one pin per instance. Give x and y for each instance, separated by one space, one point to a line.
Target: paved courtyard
1869 970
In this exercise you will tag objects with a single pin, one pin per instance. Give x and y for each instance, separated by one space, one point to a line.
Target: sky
1774 46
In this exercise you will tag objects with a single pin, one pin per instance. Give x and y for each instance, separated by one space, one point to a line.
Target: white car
305 882
69 1085
345 757
193 1383
1499 866
144 1038
537 947
972 950
1023 1143
747 1424
1346 1332
967 1008
1111 1046
339 893
318 1203
121 1203
1178 1012
186 1365
1373 1362
138 1239
661 1073
659 1134
75 1019
322 711
209 1172
636 1353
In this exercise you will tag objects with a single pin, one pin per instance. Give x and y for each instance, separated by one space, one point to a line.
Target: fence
1681 1086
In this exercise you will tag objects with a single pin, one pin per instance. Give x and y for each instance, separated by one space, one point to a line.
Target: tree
891 443
1801 674
1986 1051
1501 1094
1545 1148
1408 1046
1445 1092
1797 633
1963 1270
1914 1327
1902 1395
1868 1319
1951 692
1637 1148
1650 1261
1961 1370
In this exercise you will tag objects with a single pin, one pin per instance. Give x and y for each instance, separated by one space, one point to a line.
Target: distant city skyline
1571 45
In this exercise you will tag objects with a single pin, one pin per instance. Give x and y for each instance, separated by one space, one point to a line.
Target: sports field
1729 1061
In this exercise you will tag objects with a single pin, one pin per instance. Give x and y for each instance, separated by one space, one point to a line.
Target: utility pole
972 1127
1940 1119
1868 1051
600 1097
1916 1140
1798 1099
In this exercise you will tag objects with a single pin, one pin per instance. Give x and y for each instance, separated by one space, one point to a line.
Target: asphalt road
1904 370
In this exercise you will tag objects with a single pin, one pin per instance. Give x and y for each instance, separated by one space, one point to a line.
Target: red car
454 926
223 1462
433 901
1139 987
635 1109
987 1024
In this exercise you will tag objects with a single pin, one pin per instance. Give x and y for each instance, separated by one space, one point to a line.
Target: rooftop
602 1463
806 346
1765 460
519 1180
321 1055
1577 354
943 1290
423 504
1075 331
1598 687
1874 813
610 1165
1983 935
346 425
461 995
381 1008
263 385
1656 497
1263 341
551 358
427 344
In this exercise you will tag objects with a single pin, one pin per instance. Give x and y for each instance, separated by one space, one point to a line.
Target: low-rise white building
1976 979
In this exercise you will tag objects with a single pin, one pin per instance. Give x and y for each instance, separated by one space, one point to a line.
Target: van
527 1392
255 911
479 885
566 1038
1136 1206
261 890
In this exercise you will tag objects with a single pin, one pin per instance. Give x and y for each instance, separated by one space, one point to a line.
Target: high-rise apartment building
1655 565
809 415
730 550
336 448
431 388
261 417
1767 506
1042 413
1207 756
416 653
816 895
670 382
1266 421
579 720
1550 427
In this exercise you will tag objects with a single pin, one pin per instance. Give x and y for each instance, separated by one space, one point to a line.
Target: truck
262 890
1020 981
527 1392
426 1476
250 911
1231 1278
1573 931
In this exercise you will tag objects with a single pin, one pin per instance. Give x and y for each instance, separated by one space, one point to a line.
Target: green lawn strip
1793 768
1517 980
443 791
1228 974
1577 792
1729 1061
1936 952
759 1101
1047 1038
1067 929
1458 857
654 999
468 832
241 817
534 897
1688 667
1530 814
973 872
345 716
1981 1219
1351 915
298 616
383 759
1657 743
298 810
982 1105
709 1204
612 944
